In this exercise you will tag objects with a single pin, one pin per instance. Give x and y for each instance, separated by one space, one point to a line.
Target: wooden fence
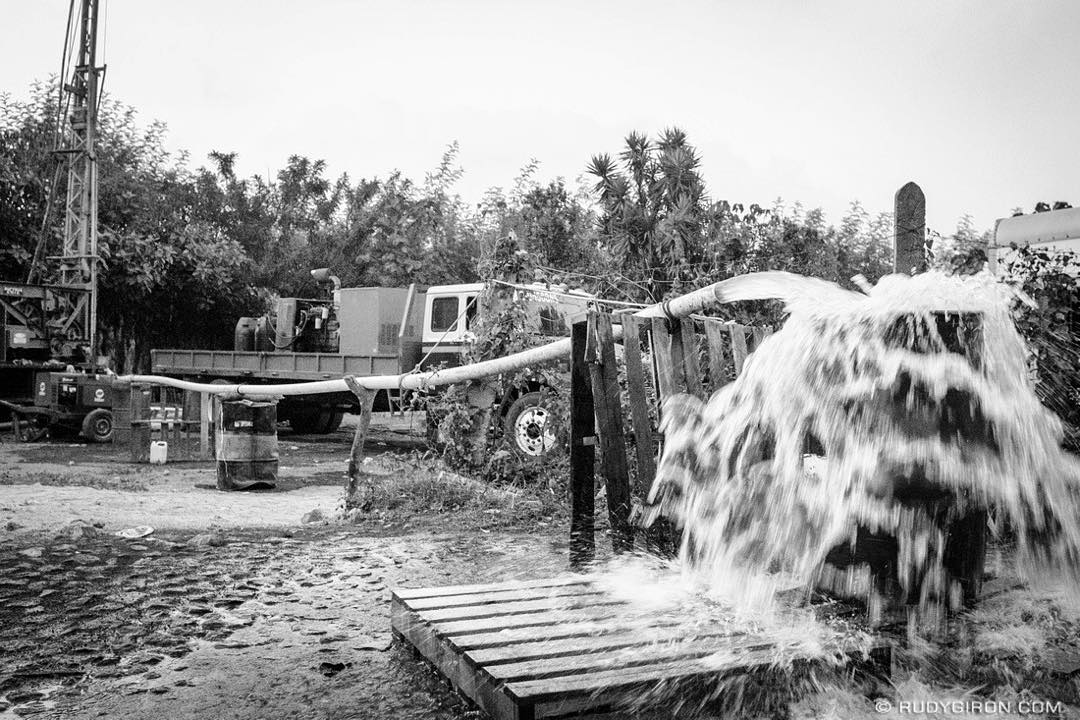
180 418
661 357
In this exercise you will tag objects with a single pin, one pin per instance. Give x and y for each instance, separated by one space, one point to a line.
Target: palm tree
652 209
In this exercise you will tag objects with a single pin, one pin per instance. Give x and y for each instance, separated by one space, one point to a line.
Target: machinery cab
449 322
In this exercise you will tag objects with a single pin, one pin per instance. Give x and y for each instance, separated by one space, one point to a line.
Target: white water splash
901 412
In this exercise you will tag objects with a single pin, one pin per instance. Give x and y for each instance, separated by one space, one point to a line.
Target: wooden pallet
543 648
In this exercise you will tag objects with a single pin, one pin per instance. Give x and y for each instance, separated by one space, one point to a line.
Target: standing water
897 417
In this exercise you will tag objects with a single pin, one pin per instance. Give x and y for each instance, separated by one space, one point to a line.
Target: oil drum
244 336
956 419
245 443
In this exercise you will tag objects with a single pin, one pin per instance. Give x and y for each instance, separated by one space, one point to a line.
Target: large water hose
678 307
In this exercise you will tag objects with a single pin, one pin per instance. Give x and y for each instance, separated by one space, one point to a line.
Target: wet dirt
232 608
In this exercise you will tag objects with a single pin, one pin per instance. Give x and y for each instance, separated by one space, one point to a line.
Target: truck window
444 313
470 312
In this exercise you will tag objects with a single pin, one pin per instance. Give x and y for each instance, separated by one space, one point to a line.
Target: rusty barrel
245 443
956 419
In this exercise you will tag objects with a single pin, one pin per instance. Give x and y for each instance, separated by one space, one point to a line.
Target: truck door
448 322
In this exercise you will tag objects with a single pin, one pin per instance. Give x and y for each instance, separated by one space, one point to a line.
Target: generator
72 401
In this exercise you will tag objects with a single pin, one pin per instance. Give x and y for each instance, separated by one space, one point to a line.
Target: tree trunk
360 493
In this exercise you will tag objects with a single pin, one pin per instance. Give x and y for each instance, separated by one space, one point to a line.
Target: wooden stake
582 452
353 497
605 383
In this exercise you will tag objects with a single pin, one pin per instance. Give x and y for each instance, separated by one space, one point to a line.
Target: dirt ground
266 605
233 607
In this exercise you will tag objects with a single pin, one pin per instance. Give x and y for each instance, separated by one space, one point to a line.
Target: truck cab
449 318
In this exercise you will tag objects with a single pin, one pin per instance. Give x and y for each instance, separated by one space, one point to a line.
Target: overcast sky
820 102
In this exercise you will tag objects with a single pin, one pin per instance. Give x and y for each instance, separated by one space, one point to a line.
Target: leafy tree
652 208
159 265
1052 330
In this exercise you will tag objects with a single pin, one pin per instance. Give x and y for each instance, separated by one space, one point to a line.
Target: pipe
679 307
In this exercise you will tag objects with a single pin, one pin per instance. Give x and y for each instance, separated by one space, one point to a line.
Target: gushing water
900 416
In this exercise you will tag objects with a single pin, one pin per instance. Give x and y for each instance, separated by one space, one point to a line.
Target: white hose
679 307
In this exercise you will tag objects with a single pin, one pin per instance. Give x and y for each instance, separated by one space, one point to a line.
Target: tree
1052 329
652 209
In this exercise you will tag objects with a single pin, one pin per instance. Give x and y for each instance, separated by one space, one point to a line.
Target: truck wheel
336 418
97 426
530 425
315 420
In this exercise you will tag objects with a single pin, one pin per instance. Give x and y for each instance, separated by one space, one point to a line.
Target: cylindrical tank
245 443
244 337
958 419
264 335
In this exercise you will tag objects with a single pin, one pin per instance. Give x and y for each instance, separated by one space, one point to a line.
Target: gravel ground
232 607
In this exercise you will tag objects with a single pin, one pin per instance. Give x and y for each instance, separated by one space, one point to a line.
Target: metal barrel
245 442
958 420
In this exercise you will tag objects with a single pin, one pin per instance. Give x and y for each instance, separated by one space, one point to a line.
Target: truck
367 331
1048 230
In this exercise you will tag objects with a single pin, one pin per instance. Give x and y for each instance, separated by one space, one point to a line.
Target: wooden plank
714 337
738 346
559 581
614 688
206 450
619 637
665 368
606 395
544 690
691 362
634 658
518 607
566 595
597 627
678 363
535 620
582 452
499 596
644 445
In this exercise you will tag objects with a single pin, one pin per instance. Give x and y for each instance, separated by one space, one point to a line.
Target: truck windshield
444 313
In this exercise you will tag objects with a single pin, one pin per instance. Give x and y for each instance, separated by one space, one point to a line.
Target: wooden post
604 372
140 423
687 338
644 444
666 384
206 449
714 334
353 496
738 346
582 452
910 223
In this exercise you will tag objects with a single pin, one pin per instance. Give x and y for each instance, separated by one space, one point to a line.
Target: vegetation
177 243
1052 329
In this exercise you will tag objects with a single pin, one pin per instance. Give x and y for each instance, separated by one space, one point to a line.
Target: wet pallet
545 648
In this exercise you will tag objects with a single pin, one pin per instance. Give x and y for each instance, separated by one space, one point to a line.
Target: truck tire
97 426
311 420
530 426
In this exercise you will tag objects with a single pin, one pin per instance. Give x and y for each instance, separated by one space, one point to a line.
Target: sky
817 102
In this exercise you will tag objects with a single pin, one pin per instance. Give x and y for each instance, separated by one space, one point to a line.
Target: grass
418 485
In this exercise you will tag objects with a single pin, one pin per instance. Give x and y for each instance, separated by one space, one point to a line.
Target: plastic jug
159 452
